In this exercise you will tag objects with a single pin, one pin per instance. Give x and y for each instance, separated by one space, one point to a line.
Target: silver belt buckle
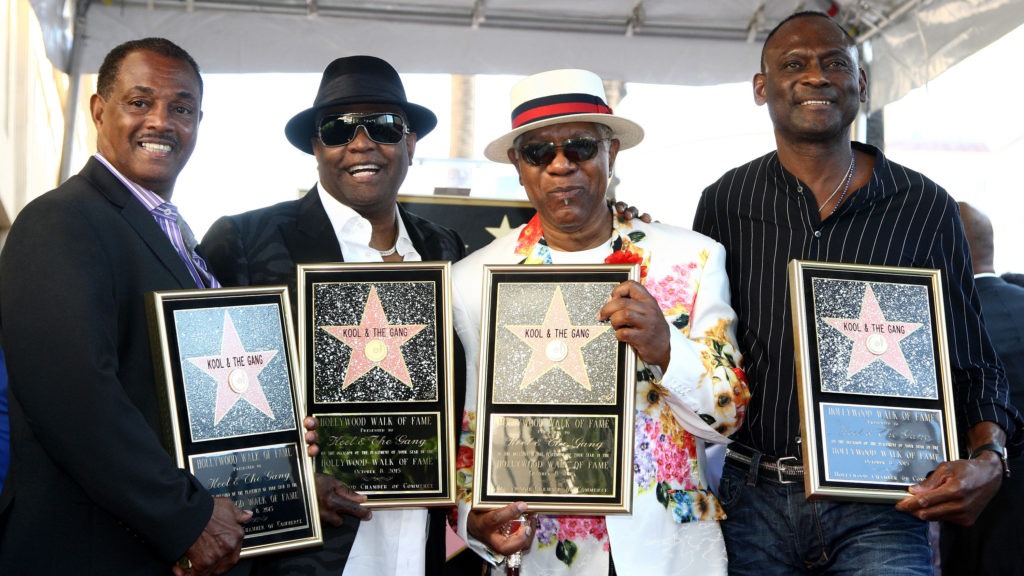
780 468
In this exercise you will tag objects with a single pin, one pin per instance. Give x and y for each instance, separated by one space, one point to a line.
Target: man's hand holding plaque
335 498
338 500
958 491
220 543
639 322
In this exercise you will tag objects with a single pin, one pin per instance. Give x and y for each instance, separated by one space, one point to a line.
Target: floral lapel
626 248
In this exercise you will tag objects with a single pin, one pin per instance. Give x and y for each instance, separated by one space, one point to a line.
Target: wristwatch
999 450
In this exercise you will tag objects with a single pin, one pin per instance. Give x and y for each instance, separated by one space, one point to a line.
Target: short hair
111 66
979 233
851 41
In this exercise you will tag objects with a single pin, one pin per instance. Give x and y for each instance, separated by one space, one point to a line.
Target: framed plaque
555 404
377 346
232 409
874 386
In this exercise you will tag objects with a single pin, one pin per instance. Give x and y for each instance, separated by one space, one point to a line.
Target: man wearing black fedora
363 131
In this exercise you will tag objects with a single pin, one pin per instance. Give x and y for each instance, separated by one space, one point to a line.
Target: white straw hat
559 97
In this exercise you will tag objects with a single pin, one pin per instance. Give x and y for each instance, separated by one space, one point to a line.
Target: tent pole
871 122
74 87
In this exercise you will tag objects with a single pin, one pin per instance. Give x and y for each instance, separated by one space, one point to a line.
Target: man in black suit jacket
995 544
262 247
363 132
91 489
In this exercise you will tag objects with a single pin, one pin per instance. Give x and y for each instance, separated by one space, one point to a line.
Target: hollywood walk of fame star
501 229
236 371
375 342
557 343
874 337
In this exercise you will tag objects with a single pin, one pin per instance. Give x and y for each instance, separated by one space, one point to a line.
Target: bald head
978 228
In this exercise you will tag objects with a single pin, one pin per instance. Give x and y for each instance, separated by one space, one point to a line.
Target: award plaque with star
376 340
555 406
874 385
232 408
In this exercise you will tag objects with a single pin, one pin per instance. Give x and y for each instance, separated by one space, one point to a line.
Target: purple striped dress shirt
170 221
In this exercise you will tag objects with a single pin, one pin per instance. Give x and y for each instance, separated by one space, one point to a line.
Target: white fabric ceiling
692 42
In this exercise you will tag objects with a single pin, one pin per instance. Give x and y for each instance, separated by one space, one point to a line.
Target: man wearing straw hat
690 389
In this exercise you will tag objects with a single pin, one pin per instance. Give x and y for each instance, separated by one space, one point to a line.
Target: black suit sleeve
224 252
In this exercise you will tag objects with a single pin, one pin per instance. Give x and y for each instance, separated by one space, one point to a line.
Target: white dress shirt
394 542
354 231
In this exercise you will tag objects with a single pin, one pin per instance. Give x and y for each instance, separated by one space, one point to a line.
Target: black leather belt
784 470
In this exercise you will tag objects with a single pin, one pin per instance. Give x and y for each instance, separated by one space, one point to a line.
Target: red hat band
559 105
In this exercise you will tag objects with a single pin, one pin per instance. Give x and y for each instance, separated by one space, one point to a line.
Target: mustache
160 137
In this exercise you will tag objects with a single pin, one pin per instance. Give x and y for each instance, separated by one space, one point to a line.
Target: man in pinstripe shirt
820 196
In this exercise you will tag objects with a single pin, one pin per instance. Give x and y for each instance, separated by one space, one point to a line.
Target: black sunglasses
576 150
381 127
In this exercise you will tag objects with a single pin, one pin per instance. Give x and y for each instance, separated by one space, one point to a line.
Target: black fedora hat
357 80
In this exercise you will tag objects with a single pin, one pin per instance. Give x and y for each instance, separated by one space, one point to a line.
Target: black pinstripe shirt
765 217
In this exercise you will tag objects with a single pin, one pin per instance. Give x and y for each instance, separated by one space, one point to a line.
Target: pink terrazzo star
374 342
236 371
874 337
557 343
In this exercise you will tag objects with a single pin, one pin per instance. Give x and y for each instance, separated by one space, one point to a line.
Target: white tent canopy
689 42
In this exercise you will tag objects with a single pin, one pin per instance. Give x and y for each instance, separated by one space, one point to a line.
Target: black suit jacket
995 544
1014 278
1002 305
262 247
91 488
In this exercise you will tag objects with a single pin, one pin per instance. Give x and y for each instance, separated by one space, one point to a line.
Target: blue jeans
772 529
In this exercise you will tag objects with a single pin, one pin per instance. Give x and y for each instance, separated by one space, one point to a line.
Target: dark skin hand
312 437
220 543
638 321
624 213
335 498
958 491
488 527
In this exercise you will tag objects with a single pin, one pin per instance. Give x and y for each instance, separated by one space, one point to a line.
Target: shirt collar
350 227
625 245
795 188
151 200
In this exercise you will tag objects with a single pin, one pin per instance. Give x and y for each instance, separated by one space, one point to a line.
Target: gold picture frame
556 400
874 384
232 407
377 345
